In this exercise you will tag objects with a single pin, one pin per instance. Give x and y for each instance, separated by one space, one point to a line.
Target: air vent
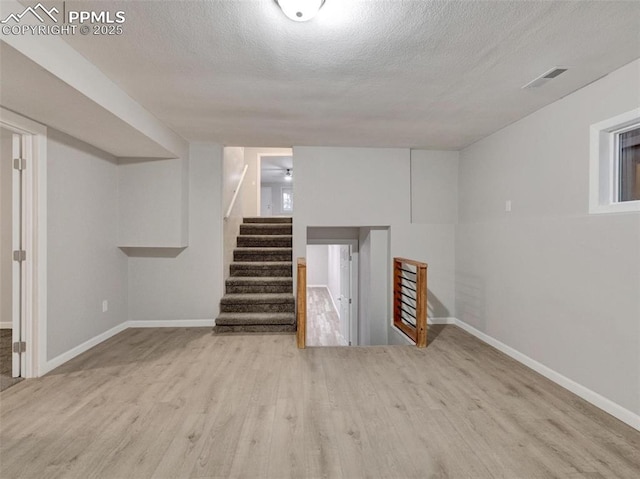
545 77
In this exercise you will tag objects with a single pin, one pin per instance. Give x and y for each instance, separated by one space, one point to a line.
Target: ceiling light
300 10
287 175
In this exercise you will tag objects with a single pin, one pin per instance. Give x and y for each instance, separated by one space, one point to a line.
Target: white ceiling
377 73
273 168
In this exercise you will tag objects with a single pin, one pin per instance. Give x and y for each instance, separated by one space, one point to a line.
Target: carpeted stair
259 292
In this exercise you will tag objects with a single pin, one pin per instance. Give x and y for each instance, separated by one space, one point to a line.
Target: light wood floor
182 403
323 322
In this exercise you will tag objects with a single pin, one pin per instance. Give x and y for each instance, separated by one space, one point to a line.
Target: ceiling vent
545 77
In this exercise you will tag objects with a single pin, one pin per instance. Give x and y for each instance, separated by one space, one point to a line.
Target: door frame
355 268
34 240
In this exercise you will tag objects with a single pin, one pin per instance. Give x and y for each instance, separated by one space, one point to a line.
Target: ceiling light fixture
300 10
287 175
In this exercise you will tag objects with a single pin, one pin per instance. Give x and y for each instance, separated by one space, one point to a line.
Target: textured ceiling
363 73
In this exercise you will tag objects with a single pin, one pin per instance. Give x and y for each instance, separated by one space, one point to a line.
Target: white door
266 201
345 293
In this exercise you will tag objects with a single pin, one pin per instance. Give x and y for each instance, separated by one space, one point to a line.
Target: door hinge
19 164
349 300
20 255
19 347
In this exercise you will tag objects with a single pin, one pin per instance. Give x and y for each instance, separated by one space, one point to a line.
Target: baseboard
6 325
317 286
607 405
173 323
441 320
72 353
81 348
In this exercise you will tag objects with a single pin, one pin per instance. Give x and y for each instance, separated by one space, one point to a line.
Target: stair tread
259 279
229 319
247 264
257 297
264 249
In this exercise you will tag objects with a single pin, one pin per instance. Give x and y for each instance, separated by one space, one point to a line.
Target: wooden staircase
259 292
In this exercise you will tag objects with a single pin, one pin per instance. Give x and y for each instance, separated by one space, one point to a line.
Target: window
615 164
628 160
287 199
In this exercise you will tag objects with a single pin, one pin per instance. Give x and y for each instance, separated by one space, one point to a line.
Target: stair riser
262 273
258 229
268 219
258 328
258 288
257 242
241 256
258 308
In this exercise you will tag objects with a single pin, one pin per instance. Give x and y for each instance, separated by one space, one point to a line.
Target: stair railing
301 312
410 299
235 193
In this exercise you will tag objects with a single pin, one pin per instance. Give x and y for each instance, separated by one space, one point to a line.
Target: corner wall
169 284
375 188
548 279
85 265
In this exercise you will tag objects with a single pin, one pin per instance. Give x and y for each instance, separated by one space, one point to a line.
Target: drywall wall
153 203
232 167
186 284
434 186
6 226
85 266
374 189
548 279
276 198
317 265
251 190
333 275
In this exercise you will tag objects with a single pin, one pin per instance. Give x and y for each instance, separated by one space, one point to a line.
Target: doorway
331 294
276 185
12 359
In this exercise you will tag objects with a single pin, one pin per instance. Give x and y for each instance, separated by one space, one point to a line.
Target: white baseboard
81 348
173 323
6 325
617 411
441 320
317 286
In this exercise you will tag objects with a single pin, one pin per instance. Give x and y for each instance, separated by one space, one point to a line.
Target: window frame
604 165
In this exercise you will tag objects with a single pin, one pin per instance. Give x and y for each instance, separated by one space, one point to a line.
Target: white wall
333 273
85 265
276 198
186 284
232 167
317 265
548 279
6 226
374 188
153 203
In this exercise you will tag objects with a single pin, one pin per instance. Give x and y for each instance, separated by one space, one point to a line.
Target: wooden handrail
405 287
301 315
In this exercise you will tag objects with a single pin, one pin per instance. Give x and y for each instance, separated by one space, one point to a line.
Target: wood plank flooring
323 322
183 403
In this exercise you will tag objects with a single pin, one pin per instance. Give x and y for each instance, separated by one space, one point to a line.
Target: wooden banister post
302 303
421 307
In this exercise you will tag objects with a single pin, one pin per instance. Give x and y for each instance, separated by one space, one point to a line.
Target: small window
628 151
614 169
287 199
